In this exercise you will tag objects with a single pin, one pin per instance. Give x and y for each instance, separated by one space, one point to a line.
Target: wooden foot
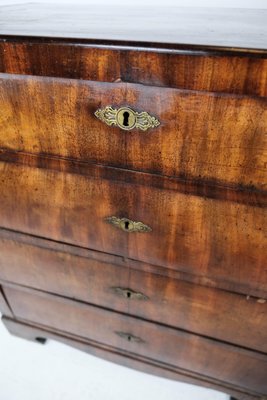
23 331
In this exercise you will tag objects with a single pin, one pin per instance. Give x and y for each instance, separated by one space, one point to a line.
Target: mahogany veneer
145 247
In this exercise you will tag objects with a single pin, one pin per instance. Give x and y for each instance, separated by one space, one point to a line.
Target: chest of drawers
133 189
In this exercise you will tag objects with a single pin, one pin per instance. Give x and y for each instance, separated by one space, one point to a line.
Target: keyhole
129 338
126 224
128 294
126 118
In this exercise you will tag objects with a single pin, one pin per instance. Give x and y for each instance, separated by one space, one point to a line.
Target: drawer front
240 74
206 311
206 237
207 357
203 136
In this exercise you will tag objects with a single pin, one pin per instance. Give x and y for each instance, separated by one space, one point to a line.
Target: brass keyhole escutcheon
126 118
127 225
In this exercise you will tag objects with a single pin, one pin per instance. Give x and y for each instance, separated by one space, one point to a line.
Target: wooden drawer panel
207 237
214 359
206 311
202 136
221 72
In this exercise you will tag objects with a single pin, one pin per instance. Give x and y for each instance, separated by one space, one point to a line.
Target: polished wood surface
202 135
206 311
204 26
202 355
24 240
188 298
200 188
203 69
202 236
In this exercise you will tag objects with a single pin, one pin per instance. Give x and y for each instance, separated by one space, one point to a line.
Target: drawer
206 311
207 237
202 136
220 72
191 352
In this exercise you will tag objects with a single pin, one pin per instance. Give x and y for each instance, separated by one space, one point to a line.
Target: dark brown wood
206 311
196 235
205 26
183 67
197 187
31 332
95 256
213 359
188 298
202 135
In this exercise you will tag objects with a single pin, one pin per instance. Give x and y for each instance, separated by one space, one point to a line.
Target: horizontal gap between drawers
185 90
116 260
243 194
79 303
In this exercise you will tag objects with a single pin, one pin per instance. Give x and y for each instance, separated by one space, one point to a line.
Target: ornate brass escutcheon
130 337
126 118
129 293
128 225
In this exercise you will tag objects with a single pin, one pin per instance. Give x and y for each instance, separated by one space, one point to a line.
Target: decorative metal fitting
130 337
129 294
126 118
127 225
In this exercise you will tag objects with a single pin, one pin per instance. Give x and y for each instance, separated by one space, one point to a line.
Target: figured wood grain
171 24
220 138
210 358
206 237
242 194
25 240
31 332
199 181
184 67
206 311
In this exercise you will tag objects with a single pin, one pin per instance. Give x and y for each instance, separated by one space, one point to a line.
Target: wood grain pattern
205 26
198 180
202 135
212 359
202 188
183 67
93 256
206 311
206 237
31 332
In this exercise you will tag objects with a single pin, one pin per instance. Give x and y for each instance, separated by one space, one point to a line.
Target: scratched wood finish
216 360
212 238
31 332
206 311
214 70
202 135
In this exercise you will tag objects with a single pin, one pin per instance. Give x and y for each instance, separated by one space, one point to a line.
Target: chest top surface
176 26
